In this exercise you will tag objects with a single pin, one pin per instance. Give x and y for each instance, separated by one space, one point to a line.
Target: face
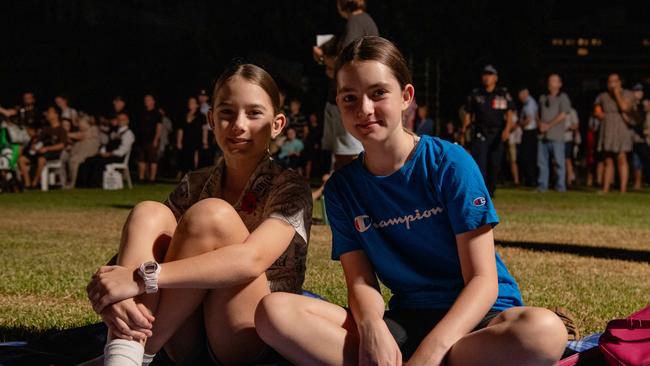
192 104
28 99
61 102
295 107
122 120
291 134
243 119
613 82
489 79
422 112
203 99
554 83
638 95
313 119
51 115
523 95
149 102
371 100
118 104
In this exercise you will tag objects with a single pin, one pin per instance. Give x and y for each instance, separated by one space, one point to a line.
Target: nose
240 122
367 107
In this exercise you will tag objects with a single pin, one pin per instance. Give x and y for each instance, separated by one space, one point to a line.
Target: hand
377 346
179 146
127 320
42 150
111 284
505 135
105 154
317 52
543 127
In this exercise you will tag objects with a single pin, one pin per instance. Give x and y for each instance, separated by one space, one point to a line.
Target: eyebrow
228 104
346 89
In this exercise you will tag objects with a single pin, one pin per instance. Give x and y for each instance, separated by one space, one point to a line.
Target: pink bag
626 342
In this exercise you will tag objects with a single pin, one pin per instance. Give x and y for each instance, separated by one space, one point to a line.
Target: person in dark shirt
26 114
188 136
147 140
44 146
297 120
489 112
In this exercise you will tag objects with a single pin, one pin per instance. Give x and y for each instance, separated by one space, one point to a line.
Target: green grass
51 243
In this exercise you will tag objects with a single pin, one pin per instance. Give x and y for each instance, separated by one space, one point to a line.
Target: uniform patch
479 201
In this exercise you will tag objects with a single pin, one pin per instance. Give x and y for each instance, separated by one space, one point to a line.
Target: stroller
10 180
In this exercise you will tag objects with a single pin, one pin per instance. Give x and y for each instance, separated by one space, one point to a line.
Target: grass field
585 252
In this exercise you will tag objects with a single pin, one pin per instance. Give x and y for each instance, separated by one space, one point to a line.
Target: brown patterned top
270 192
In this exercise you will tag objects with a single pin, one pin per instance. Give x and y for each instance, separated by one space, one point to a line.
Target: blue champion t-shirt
406 223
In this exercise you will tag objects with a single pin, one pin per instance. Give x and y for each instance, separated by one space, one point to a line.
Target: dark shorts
147 154
410 326
268 356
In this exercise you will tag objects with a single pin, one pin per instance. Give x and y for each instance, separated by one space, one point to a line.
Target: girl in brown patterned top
227 236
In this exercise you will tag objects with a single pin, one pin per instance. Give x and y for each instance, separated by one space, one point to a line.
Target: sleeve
126 141
464 193
469 104
530 109
290 201
511 103
565 104
341 224
599 100
179 200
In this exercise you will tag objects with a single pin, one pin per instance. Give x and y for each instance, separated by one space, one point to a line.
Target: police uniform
489 119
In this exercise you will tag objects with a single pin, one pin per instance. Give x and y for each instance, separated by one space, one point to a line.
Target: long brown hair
253 74
373 48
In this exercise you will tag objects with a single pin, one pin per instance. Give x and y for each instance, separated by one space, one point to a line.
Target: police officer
489 112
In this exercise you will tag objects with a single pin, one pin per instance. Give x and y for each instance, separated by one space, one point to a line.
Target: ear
278 124
211 119
407 96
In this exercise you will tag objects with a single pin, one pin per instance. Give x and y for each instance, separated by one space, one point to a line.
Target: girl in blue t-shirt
415 213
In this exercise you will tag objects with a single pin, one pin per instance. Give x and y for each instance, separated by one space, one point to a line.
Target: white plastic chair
124 167
51 171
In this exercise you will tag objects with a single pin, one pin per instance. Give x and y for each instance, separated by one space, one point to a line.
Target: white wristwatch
149 272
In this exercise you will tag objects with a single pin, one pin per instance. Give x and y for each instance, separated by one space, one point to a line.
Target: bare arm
623 104
179 138
477 261
377 345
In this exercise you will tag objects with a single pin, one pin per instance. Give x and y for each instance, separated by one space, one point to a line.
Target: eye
255 113
379 93
348 98
225 112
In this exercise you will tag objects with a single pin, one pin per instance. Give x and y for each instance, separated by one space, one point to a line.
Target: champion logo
363 222
479 201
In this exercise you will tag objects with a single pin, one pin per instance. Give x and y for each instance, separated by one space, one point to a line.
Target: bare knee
210 216
152 215
540 332
274 313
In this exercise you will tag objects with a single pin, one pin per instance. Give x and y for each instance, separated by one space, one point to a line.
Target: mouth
237 141
367 125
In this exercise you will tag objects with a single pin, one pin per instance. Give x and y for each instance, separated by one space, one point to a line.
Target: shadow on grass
52 347
121 206
632 255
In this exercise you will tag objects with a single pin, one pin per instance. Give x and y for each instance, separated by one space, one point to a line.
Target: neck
554 92
238 171
490 88
385 157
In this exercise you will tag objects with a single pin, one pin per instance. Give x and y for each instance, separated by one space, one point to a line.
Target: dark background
92 50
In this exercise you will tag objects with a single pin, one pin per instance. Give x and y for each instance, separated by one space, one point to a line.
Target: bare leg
39 168
623 170
608 174
24 164
599 172
638 175
515 172
229 312
570 175
517 336
142 170
153 171
308 331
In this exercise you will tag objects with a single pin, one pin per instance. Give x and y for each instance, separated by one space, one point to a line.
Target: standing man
147 140
554 109
528 122
489 110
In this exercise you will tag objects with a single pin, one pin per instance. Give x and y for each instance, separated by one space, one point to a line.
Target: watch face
150 267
